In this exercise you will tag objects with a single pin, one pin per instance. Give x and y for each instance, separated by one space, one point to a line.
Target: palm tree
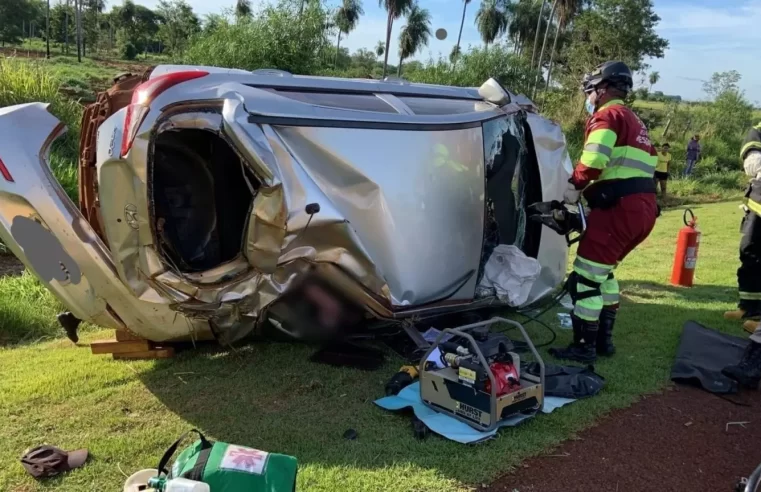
456 50
567 10
538 31
78 23
380 48
47 30
490 21
304 3
242 9
653 79
66 28
544 45
346 18
454 55
395 9
521 26
415 34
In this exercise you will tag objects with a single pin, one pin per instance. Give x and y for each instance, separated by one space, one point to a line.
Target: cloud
691 17
715 36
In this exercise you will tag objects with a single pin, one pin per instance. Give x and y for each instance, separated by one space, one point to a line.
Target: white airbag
511 274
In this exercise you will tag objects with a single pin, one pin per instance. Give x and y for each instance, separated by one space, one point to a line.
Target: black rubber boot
752 309
584 346
748 371
605 333
70 324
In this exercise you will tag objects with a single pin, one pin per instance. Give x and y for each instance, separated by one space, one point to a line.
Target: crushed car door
42 226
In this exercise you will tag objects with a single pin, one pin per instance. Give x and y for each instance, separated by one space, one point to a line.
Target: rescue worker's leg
584 287
611 235
610 300
749 273
748 371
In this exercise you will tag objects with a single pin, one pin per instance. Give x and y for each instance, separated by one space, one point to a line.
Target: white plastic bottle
185 485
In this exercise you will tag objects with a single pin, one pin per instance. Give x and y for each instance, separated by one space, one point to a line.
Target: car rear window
357 102
436 106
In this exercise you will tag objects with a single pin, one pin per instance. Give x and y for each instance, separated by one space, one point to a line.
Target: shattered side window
504 154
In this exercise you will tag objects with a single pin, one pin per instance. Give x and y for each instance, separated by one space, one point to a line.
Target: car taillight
141 100
5 173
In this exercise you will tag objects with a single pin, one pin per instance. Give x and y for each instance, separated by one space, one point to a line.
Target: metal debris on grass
741 424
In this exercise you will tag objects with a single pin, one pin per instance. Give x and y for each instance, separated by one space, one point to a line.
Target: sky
705 36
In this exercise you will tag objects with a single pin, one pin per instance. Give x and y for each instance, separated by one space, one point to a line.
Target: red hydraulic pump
686 256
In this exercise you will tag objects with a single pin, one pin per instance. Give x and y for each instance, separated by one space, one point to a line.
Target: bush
277 37
66 172
574 137
712 186
723 153
651 118
475 67
23 81
129 51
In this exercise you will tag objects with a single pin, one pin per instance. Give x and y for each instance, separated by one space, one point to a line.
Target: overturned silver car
225 203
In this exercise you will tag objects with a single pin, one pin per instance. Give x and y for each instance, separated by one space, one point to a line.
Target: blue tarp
450 427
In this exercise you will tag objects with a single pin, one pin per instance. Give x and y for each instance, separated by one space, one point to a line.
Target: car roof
284 80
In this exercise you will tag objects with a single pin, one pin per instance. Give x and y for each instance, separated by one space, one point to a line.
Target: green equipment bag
231 468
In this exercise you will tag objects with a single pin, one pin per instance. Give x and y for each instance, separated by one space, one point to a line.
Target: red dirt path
677 441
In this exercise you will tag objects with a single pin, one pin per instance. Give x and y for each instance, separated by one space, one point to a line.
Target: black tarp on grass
701 356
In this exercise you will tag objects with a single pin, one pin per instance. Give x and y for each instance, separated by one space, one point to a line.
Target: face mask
589 106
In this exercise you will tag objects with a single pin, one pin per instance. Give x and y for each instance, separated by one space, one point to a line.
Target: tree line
85 26
535 45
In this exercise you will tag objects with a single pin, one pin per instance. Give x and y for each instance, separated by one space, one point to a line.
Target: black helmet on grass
614 73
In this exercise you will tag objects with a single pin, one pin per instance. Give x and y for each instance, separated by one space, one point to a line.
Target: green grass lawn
80 81
656 105
271 397
661 106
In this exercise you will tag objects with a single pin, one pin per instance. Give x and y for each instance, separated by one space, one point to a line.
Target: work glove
571 194
554 215
752 164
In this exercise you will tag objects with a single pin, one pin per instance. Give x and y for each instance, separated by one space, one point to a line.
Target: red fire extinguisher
686 256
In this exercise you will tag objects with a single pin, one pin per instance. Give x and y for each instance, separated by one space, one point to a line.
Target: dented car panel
376 200
46 231
401 191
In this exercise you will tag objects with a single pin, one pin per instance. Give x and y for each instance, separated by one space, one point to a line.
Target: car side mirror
492 91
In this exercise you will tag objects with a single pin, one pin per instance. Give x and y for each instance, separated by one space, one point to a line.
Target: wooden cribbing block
117 347
130 346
